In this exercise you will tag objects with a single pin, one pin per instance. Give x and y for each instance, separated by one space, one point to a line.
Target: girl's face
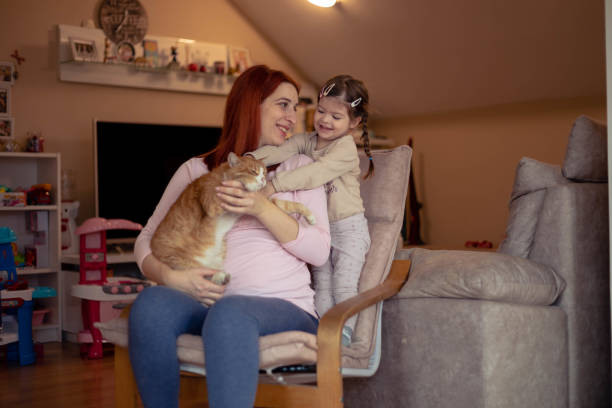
332 120
278 115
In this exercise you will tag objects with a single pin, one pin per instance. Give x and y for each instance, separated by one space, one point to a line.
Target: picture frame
7 128
151 51
5 101
239 60
7 73
83 50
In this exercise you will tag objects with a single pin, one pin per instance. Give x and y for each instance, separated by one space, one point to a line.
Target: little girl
342 107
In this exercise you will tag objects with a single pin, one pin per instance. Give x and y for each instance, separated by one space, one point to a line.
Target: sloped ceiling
424 56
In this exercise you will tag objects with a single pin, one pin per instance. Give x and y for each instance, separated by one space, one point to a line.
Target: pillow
480 275
533 175
586 158
531 180
522 221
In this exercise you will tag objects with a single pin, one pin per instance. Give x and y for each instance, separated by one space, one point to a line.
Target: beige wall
464 162
63 112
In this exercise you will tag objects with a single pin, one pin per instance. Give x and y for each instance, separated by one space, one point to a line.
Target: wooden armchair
384 199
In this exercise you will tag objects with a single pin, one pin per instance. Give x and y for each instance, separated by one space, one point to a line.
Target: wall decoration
123 20
5 101
7 127
19 59
83 50
239 60
7 73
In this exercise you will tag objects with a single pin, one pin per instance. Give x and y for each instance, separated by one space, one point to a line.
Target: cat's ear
233 159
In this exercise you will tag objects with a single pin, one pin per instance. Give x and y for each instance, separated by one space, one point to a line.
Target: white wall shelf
136 76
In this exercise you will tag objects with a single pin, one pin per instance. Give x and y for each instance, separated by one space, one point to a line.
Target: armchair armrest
330 326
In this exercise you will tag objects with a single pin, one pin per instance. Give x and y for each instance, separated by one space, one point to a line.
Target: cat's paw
311 219
220 278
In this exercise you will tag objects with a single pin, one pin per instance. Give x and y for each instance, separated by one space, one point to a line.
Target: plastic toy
39 194
70 240
8 272
94 287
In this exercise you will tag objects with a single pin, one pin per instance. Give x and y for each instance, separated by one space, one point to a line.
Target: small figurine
219 67
174 64
35 143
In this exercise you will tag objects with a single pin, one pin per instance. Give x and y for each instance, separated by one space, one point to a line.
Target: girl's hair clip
327 90
356 102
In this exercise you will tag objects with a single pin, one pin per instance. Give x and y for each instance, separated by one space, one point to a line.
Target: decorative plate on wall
123 20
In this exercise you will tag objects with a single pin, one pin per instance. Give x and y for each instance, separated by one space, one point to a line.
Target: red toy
92 280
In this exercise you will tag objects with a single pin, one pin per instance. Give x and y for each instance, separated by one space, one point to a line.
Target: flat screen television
134 162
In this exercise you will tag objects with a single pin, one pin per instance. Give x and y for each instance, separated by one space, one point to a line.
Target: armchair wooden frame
326 393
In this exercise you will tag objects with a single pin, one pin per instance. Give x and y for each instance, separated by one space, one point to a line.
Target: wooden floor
60 379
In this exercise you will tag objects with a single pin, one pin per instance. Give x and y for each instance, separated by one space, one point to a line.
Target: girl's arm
310 243
336 162
270 155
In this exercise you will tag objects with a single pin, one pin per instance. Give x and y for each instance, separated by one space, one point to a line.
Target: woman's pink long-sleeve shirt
259 265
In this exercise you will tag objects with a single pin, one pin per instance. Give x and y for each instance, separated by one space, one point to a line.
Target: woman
267 253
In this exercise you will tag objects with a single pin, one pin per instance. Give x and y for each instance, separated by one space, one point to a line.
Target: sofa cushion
531 180
586 158
480 275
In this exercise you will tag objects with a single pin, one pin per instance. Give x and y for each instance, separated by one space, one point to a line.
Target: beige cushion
287 348
384 196
480 275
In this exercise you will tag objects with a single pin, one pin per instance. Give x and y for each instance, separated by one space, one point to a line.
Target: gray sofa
526 326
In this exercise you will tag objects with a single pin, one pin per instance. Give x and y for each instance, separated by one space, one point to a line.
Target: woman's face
278 115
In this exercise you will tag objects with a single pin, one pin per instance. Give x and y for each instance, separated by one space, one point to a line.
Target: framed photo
7 128
151 51
125 52
7 73
239 60
83 50
5 101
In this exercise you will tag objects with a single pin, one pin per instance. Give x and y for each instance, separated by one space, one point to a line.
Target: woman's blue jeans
230 330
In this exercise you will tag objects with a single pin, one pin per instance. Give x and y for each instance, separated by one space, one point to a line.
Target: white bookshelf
24 170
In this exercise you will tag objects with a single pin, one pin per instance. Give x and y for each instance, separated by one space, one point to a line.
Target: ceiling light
323 3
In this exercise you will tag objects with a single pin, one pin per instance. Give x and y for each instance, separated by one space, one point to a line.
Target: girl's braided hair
355 94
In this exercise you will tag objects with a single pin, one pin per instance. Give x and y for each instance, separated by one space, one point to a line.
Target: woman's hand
236 199
193 282
196 283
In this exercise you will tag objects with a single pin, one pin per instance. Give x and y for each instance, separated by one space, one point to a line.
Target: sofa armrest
480 275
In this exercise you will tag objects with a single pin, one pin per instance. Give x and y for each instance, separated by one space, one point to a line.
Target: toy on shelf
39 194
8 272
70 240
95 288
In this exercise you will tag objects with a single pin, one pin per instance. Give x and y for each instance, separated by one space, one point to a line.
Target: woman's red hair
242 121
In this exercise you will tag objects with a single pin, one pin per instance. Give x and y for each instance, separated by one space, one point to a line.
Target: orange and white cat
192 234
